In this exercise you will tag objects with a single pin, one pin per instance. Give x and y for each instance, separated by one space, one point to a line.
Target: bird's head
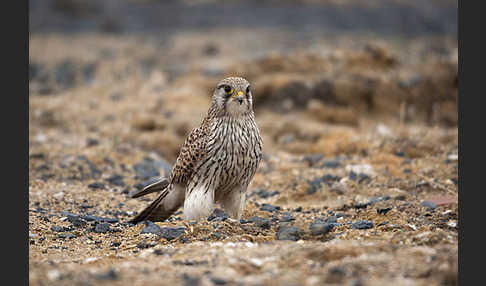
232 96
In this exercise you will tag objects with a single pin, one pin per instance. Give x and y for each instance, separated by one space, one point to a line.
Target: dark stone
331 164
298 209
382 223
171 233
286 217
262 223
353 176
115 244
362 224
102 228
92 142
89 72
286 232
37 156
46 177
316 183
191 281
269 208
146 170
66 235
116 180
59 228
103 219
65 75
318 227
218 281
383 211
265 194
96 185
110 275
331 219
151 228
313 159
428 204
144 245
76 220
363 177
218 215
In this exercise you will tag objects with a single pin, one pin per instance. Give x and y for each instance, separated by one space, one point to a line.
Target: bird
215 164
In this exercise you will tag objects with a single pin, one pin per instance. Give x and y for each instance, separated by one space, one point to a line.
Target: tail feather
152 188
167 203
154 212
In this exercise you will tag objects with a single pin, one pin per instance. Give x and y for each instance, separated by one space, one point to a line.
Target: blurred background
155 63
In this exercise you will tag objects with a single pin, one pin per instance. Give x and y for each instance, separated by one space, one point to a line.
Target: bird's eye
228 89
248 89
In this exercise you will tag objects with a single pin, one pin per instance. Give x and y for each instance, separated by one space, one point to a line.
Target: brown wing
191 152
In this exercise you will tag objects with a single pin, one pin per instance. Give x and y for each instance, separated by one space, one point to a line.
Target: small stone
151 228
383 211
116 180
76 221
331 164
96 185
110 275
429 204
218 281
218 215
269 208
362 224
115 244
286 217
171 233
59 228
313 159
92 142
288 233
102 228
318 228
263 223
66 235
143 245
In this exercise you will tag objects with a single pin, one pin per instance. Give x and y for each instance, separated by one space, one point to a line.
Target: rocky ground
358 185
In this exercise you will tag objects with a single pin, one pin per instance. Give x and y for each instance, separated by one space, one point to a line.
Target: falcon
216 162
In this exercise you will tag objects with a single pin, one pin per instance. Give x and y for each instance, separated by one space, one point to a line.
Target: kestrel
216 163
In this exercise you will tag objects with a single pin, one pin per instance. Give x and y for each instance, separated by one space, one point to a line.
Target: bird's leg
199 203
234 203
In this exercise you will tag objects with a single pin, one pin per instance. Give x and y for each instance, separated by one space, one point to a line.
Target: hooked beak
240 96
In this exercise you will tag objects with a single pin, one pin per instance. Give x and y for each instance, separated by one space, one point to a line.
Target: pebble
269 208
288 233
286 217
362 224
102 228
331 164
99 219
171 233
116 180
151 227
92 142
313 159
315 184
59 228
66 235
110 275
383 211
64 74
265 194
218 215
318 227
429 204
262 223
76 220
96 185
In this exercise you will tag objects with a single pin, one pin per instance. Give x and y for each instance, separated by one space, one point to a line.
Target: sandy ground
358 185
